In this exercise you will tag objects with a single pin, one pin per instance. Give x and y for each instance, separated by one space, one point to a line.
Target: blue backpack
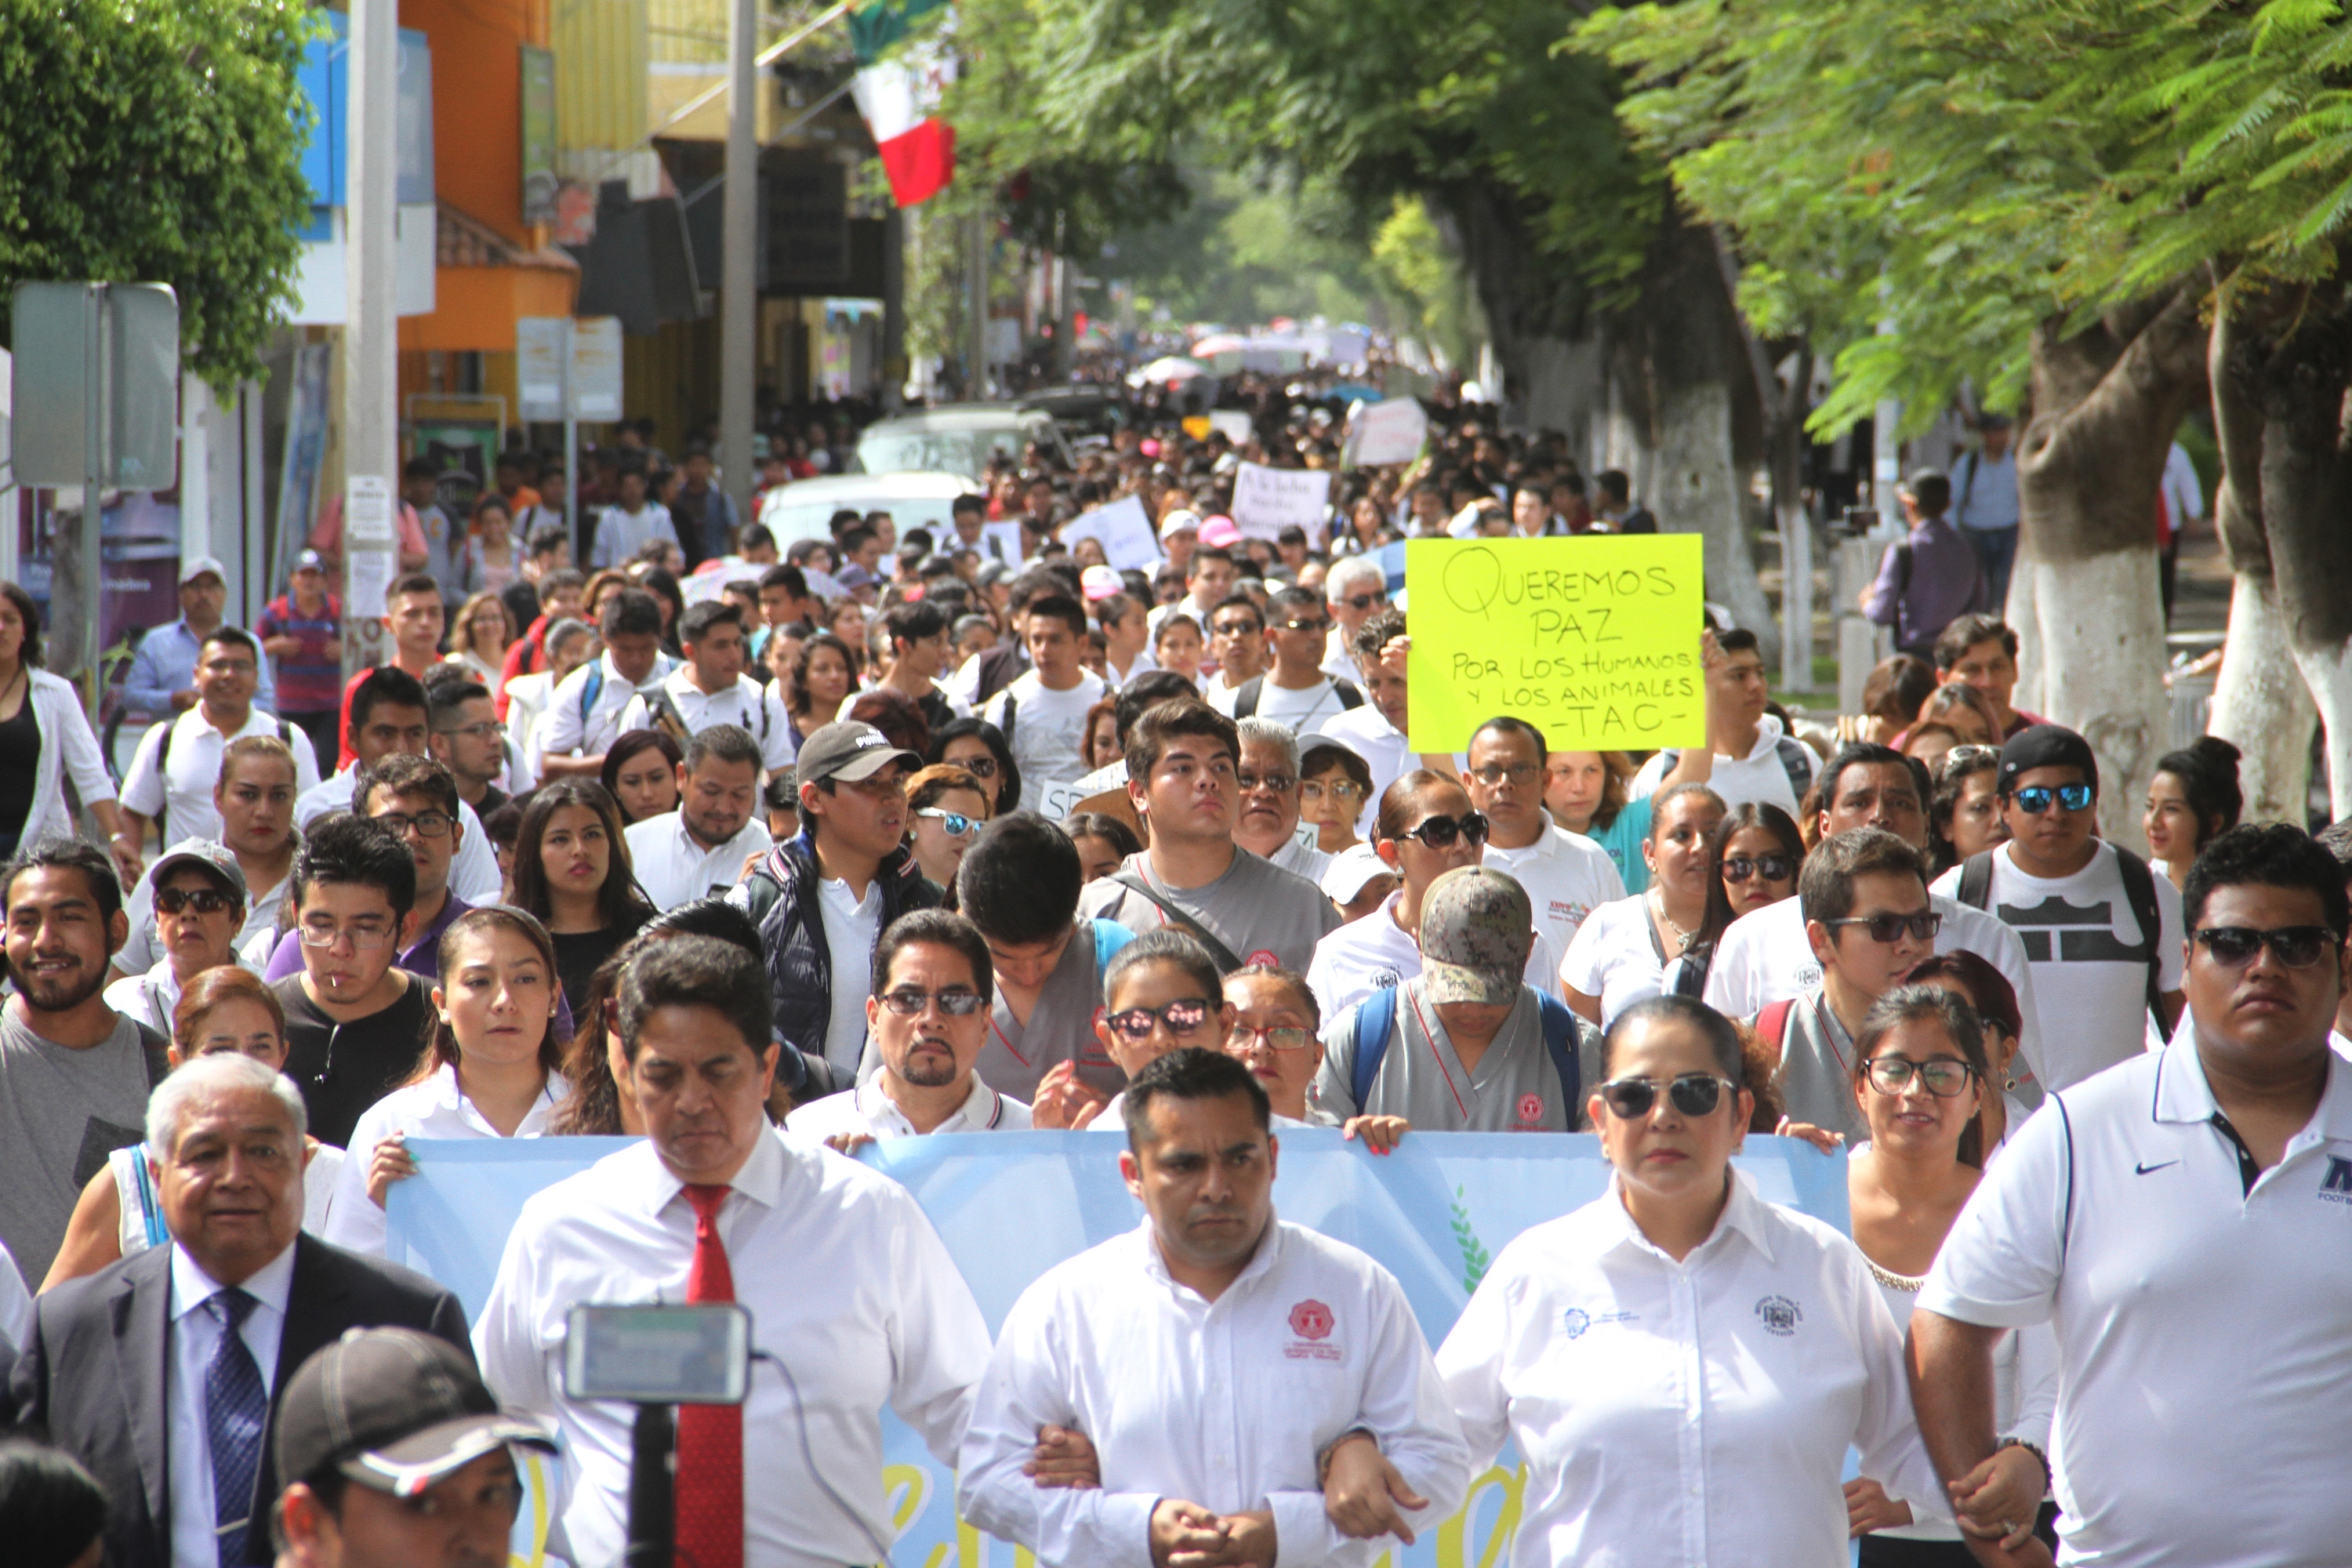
1375 1020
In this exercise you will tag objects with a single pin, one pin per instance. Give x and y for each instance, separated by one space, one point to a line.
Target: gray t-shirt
1515 1089
1255 908
62 1111
1815 1076
1061 1027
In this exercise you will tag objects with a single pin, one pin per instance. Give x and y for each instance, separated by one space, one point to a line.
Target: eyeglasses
955 824
1691 1093
1342 789
1281 1037
366 939
1280 784
1943 1077
1774 867
1180 1016
487 730
431 824
2234 947
1302 625
1494 773
2035 799
203 901
978 767
1889 928
1440 832
908 1001
1359 601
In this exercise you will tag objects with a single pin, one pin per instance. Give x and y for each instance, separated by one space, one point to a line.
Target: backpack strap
1373 1022
590 690
1560 1035
164 774
1246 699
1772 1025
156 1050
1219 953
1012 717
1350 694
2139 891
1796 762
1976 881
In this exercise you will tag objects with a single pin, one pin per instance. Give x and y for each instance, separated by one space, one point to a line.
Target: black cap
848 749
2046 746
392 1409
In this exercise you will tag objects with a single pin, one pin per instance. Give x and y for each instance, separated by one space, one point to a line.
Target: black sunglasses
1691 1093
1359 601
203 901
1775 868
1440 832
908 1001
978 767
1182 1017
2234 947
1890 928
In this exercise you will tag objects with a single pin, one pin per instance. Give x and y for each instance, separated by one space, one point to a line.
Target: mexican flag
898 90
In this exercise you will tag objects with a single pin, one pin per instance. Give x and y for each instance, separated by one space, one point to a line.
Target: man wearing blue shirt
162 679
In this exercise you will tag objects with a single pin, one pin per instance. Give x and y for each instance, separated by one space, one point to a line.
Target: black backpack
2139 891
1246 699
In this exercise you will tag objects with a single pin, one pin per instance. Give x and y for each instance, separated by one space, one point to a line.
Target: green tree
158 143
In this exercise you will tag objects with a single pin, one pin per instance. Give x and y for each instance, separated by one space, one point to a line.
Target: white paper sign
1125 531
367 508
1235 422
540 344
596 368
1386 432
1267 501
1008 542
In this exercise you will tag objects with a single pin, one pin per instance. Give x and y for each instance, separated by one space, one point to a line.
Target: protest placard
1125 531
1235 422
1391 432
1592 640
1267 501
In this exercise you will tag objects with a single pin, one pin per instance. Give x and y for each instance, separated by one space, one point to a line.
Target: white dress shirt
847 1283
435 1108
473 872
1226 1404
748 705
527 698
1567 877
1694 1414
574 726
673 867
195 1334
181 787
867 1112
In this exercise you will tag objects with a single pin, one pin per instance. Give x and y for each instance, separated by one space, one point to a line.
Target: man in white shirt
1214 1355
255 798
585 715
2179 1222
1237 652
172 775
624 530
1353 589
388 712
925 1024
1567 875
1376 730
1269 783
715 1206
698 851
710 688
1754 758
2081 905
1043 713
1293 691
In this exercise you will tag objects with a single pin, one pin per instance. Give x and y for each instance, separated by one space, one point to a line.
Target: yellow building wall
602 59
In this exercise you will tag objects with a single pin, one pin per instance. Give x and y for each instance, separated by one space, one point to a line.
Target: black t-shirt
577 955
343 1068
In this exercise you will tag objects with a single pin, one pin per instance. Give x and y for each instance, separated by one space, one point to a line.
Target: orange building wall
478 103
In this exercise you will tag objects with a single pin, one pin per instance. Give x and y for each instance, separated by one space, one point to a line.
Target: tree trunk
2282 373
2106 403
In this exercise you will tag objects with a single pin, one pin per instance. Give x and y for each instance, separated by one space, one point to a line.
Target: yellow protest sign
1593 640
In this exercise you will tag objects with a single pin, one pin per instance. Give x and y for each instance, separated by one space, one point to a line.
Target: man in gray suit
160 1371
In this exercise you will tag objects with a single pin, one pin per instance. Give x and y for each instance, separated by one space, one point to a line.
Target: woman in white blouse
490 1068
1683 1364
1920 1074
45 738
1619 954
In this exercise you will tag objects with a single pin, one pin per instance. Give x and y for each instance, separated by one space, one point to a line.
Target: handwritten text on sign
1592 640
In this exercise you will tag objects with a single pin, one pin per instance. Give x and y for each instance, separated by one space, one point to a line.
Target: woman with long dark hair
979 748
45 737
2194 798
573 874
490 1067
1753 858
824 678
641 772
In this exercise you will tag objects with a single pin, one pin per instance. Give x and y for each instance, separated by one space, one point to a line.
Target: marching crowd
899 838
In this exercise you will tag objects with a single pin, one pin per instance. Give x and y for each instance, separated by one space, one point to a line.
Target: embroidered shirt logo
1312 1321
1779 1315
1531 1107
1575 1323
1264 956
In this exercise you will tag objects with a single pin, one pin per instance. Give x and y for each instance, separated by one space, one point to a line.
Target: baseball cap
1350 871
1220 531
1100 582
847 750
192 570
1180 522
207 854
392 1409
854 578
2046 746
309 560
1476 931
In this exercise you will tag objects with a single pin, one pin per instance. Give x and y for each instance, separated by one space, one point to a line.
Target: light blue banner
1010 1205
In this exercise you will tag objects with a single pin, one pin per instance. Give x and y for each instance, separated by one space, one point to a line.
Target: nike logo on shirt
2142 1169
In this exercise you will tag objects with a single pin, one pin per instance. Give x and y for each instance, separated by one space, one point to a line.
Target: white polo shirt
1764 957
1223 1402
867 1112
747 703
181 787
1567 877
673 867
2204 1324
1375 952
575 726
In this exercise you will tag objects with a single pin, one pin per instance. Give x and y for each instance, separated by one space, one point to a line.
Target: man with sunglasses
1870 923
1236 652
926 1022
1268 782
1352 590
2102 931
2180 1223
1295 692
1567 875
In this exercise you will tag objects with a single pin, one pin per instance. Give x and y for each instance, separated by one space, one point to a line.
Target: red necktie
709 1437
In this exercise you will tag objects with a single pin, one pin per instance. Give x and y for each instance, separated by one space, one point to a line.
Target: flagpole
738 246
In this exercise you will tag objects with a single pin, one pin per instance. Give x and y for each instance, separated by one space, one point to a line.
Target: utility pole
371 343
895 228
738 308
976 383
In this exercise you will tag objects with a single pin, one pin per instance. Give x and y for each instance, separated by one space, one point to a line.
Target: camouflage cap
1476 931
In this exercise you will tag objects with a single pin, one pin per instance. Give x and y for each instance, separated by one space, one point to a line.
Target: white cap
192 570
1350 871
1180 522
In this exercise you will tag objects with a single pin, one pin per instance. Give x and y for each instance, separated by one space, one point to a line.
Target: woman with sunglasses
979 748
491 1067
1920 1072
945 809
1682 1364
1965 817
1621 951
1425 828
1756 852
1160 993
